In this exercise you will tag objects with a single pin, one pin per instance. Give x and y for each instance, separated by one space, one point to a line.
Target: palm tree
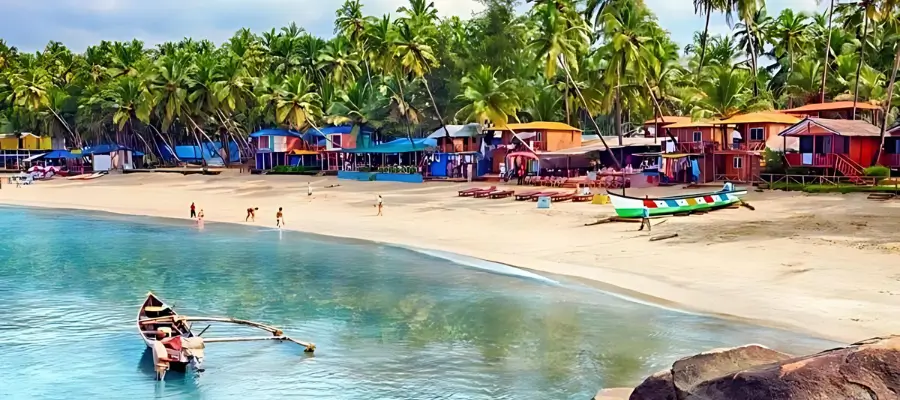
790 35
623 26
297 105
360 106
351 24
415 55
487 99
339 60
706 7
750 34
725 92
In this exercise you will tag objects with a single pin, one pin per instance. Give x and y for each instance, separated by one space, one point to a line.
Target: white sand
827 265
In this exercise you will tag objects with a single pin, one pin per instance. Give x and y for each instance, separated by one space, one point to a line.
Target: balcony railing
747 146
810 160
696 147
890 160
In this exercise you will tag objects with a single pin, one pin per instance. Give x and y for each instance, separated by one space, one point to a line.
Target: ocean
388 322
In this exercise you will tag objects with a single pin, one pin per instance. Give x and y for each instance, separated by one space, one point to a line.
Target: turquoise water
389 323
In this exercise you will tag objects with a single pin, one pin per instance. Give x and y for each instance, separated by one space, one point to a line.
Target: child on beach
193 211
645 216
251 214
379 204
279 218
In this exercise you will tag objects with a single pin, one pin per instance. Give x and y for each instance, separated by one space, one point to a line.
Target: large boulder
868 370
658 386
676 383
692 371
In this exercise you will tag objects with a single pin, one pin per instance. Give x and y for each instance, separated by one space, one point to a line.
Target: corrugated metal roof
841 127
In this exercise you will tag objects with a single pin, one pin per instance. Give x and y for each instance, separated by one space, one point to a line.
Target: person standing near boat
279 218
645 216
193 211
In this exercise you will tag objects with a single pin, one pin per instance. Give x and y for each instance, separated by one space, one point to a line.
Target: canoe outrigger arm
277 334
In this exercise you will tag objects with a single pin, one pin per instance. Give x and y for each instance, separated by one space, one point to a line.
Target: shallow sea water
389 323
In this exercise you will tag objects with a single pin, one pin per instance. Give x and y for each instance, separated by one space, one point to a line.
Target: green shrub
281 168
877 170
774 161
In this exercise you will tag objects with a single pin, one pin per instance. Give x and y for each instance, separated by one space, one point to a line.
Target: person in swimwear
279 218
251 214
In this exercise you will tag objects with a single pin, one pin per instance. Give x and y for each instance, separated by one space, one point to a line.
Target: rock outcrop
676 383
868 370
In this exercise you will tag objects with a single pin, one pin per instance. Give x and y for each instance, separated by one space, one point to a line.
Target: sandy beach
826 265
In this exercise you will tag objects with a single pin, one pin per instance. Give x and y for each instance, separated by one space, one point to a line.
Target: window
333 142
757 134
698 136
737 162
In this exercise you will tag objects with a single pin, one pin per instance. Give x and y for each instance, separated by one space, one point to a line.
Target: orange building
659 124
533 138
739 157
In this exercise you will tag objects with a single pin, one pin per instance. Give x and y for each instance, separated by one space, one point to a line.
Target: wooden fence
776 179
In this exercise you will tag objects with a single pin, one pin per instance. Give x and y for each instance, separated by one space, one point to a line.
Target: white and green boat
633 207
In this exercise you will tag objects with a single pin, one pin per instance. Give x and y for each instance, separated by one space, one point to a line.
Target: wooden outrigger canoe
633 207
175 345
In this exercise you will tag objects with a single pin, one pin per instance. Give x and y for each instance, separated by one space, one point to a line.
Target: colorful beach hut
273 147
457 153
846 146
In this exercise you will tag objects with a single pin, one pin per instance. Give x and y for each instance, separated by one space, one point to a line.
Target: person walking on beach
251 214
308 189
200 219
379 204
279 218
645 216
193 211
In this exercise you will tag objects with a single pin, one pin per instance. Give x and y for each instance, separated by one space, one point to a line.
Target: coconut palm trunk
436 111
703 39
890 94
862 55
405 112
827 53
593 121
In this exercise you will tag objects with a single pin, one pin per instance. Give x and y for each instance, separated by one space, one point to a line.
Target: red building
845 146
745 137
836 110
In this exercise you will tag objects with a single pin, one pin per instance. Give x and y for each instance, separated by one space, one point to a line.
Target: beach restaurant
18 147
398 160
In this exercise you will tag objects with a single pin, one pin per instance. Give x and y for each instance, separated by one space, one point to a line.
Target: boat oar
308 347
204 330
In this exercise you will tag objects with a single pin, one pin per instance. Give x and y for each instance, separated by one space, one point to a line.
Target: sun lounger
501 194
526 195
473 191
562 197
544 194
469 192
579 198
485 193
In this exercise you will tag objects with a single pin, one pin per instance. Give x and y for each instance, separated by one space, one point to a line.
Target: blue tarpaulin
397 146
210 153
56 154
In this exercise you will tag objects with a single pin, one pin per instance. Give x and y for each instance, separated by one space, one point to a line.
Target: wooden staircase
849 168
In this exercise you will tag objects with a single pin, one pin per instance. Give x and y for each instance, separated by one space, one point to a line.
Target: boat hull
633 207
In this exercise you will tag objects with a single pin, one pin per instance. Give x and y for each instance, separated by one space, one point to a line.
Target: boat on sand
632 207
175 345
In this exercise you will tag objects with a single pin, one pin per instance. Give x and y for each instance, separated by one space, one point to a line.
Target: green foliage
287 169
563 60
842 188
774 161
878 170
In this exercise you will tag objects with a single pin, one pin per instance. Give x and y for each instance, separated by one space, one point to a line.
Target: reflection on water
389 323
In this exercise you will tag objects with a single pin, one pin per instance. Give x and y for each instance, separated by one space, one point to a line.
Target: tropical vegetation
601 65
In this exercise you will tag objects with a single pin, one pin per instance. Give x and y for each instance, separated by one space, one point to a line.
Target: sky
30 24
